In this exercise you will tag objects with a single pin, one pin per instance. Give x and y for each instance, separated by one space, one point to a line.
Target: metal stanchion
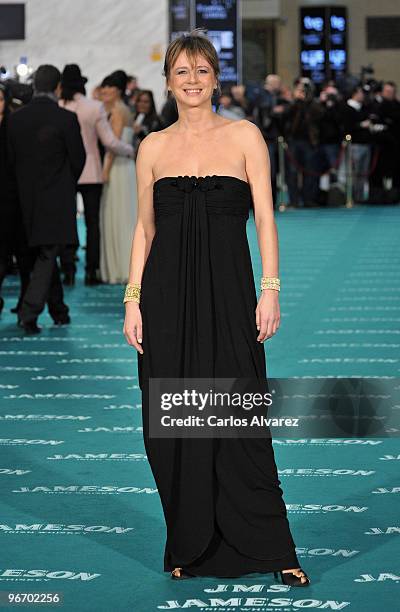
349 173
283 199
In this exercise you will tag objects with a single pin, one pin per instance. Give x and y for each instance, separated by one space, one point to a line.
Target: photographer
302 130
267 112
330 128
386 113
359 123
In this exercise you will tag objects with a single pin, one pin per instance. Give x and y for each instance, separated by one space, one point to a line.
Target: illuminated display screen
220 19
337 41
323 42
179 17
12 21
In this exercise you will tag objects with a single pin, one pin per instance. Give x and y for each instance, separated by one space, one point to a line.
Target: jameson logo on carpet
390 458
85 490
14 471
101 457
43 417
326 552
382 531
312 508
123 407
56 529
115 429
382 577
326 442
251 597
17 575
58 396
25 441
324 472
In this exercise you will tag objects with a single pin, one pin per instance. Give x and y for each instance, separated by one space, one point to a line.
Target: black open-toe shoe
180 574
291 579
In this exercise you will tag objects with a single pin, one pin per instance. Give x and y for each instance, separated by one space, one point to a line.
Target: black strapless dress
221 498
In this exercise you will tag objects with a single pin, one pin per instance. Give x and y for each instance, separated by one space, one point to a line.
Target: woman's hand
133 325
106 175
268 314
137 128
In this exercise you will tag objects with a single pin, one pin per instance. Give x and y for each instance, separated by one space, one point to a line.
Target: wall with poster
99 35
359 53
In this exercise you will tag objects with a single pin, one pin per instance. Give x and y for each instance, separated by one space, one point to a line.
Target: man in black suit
46 148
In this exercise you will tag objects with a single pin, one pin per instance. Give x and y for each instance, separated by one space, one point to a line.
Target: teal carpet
79 512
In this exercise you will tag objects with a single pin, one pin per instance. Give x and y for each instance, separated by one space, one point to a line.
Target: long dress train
221 498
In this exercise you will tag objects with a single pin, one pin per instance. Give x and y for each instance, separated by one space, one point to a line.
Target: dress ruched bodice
218 194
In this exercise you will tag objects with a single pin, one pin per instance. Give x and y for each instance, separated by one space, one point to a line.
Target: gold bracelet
132 293
270 282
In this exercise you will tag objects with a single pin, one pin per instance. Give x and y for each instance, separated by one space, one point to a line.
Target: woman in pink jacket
92 118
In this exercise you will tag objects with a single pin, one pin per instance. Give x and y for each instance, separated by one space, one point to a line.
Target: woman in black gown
191 311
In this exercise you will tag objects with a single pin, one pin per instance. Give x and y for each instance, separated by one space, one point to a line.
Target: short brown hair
195 43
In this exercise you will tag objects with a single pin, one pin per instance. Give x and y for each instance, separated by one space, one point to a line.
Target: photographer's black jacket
352 120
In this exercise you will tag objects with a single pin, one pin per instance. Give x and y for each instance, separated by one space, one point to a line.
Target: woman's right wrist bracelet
132 293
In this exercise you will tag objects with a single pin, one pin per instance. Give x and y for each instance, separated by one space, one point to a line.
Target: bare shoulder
250 140
247 130
150 144
119 111
149 151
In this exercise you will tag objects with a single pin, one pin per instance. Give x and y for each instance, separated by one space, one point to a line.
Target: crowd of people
64 141
313 124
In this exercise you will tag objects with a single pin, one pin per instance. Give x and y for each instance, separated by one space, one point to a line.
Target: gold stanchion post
283 199
349 173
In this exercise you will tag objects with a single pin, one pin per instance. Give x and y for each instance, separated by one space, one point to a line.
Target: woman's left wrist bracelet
270 282
132 293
